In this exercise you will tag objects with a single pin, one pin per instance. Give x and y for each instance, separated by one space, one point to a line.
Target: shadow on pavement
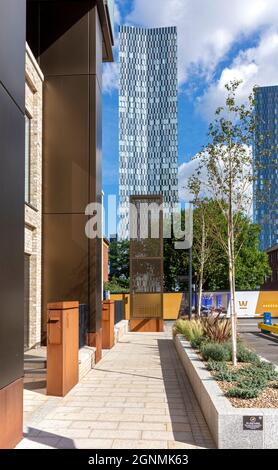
188 424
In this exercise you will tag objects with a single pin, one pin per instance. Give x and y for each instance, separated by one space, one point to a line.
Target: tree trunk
202 265
233 314
200 293
232 286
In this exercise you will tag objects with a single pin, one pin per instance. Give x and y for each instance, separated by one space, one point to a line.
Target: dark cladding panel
11 238
64 41
12 48
66 144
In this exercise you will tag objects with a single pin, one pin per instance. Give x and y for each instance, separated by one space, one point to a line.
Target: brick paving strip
138 396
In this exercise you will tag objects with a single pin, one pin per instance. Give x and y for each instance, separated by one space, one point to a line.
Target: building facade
69 54
271 282
266 166
12 117
33 202
148 124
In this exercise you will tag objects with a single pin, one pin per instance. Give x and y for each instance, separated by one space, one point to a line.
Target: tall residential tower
266 165
148 107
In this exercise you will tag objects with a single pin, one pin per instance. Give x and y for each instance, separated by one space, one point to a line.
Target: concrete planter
225 422
120 329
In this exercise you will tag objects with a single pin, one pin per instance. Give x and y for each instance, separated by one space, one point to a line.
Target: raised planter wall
120 329
224 421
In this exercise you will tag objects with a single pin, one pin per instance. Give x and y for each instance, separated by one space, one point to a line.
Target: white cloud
117 14
243 197
110 77
186 170
254 66
207 29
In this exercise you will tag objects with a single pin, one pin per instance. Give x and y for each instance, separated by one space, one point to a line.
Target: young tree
119 260
227 163
251 264
175 265
203 244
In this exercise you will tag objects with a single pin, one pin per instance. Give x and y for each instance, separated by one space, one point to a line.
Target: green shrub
217 366
226 376
197 329
267 369
245 393
267 373
217 329
184 327
249 371
245 355
197 342
215 351
255 382
190 329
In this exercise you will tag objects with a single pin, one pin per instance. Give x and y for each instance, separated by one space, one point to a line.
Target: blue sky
237 39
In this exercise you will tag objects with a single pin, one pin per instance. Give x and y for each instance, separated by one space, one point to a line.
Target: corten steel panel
95 43
11 238
95 287
11 414
147 305
12 48
66 144
64 39
65 248
146 261
62 349
95 249
144 248
95 141
146 275
71 59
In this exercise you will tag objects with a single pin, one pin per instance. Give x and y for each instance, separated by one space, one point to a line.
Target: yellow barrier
270 328
171 304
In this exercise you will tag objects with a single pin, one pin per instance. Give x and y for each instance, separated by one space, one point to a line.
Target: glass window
27 157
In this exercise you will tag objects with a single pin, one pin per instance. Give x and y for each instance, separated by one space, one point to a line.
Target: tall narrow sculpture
146 263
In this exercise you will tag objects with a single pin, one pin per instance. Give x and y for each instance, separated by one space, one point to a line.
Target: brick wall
33 211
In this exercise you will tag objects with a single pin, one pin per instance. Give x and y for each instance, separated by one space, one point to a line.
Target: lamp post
191 203
190 283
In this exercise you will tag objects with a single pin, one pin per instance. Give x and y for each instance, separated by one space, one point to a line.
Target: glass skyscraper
266 165
148 107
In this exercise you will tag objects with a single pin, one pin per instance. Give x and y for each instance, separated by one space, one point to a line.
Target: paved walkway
265 345
137 397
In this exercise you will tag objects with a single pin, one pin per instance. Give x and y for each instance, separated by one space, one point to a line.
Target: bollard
108 320
62 347
267 321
